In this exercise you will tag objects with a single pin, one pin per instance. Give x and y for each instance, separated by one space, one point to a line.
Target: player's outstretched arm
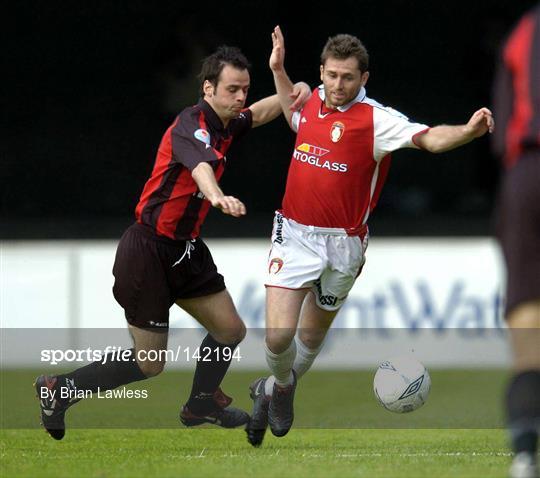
444 138
203 175
288 96
265 110
270 108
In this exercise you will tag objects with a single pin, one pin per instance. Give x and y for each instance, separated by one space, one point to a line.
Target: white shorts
325 260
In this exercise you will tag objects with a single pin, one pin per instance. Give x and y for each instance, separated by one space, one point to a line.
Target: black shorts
151 272
518 230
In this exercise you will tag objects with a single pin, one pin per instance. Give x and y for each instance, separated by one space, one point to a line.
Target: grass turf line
225 453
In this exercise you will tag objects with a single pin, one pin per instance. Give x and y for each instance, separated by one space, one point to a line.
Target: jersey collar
359 98
211 117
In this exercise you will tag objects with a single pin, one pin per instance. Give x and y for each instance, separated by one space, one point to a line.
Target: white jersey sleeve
392 131
295 120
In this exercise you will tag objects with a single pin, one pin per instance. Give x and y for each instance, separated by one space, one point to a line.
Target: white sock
304 357
281 364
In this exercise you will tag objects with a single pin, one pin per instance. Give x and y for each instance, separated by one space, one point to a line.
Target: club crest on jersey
336 132
275 265
202 135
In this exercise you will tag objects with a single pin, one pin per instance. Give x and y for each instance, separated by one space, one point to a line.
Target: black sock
108 373
209 372
523 410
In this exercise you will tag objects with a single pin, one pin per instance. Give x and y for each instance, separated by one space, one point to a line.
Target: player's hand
230 205
277 57
480 123
300 94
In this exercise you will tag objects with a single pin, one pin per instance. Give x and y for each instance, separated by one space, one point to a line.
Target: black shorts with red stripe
151 272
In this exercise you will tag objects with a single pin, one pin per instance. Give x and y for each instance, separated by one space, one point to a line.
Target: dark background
88 88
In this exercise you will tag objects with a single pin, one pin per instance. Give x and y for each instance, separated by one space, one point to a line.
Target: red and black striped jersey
517 91
171 202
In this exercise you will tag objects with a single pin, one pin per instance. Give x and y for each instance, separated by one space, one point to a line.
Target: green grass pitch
339 431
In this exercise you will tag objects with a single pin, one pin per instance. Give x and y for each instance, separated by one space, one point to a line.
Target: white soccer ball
402 384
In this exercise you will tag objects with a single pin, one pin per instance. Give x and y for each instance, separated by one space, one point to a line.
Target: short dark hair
344 46
213 65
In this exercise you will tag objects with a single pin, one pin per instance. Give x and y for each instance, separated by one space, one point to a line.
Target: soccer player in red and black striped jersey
161 260
517 143
341 158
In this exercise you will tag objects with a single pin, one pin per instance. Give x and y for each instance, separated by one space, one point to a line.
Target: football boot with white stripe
256 427
52 409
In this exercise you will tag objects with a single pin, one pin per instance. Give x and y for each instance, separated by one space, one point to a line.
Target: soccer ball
402 384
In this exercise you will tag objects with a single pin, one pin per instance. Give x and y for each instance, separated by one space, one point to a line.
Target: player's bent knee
524 323
525 360
279 339
232 334
525 347
240 332
150 368
312 342
525 316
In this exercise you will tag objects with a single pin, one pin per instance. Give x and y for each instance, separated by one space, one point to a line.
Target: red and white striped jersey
341 160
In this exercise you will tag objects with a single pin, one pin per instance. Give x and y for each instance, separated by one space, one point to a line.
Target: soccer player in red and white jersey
338 167
161 260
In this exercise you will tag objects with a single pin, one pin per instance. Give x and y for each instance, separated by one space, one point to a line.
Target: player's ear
365 77
208 88
322 71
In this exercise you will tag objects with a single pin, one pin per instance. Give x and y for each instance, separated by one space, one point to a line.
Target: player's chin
235 111
340 101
